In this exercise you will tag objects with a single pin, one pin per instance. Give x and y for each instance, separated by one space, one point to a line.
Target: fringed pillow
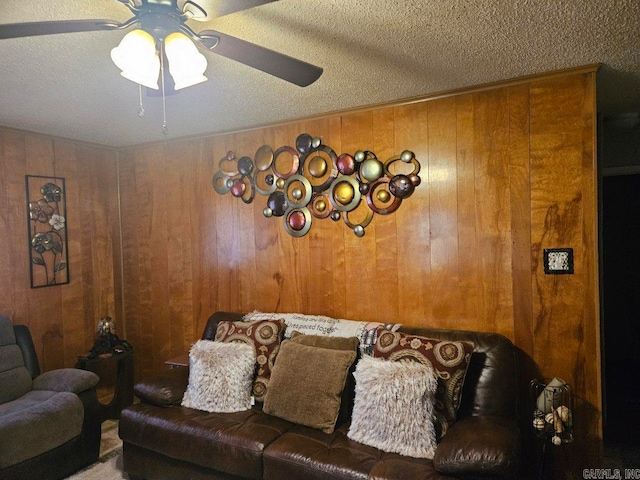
220 377
394 407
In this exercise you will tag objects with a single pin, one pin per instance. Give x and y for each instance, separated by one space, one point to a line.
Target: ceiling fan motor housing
200 10
160 24
163 17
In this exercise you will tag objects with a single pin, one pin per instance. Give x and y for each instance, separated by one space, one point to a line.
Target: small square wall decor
47 220
558 261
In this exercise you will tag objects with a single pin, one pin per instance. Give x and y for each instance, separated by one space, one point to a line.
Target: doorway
621 307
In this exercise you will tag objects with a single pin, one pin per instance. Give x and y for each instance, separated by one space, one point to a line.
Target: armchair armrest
479 446
66 380
164 390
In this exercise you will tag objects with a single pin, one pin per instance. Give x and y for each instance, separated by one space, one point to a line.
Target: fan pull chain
140 107
165 130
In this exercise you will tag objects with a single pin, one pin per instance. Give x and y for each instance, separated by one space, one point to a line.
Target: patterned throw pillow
449 360
265 337
305 324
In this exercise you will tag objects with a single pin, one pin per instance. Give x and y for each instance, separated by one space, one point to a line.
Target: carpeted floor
109 465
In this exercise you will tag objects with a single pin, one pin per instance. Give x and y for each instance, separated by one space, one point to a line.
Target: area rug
109 465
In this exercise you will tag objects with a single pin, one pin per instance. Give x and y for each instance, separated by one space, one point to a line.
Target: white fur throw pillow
393 407
220 376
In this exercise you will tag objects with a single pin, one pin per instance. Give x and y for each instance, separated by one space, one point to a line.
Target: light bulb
138 59
186 64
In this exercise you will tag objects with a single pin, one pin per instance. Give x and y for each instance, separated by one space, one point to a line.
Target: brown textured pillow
306 385
449 359
335 343
264 336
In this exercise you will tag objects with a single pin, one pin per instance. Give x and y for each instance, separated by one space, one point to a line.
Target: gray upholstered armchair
49 423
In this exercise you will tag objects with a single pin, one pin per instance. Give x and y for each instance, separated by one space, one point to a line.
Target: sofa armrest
66 380
479 446
164 390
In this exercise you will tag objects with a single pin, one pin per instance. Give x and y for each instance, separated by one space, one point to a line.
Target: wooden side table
116 374
180 361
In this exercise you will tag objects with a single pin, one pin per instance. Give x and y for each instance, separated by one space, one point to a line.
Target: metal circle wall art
312 181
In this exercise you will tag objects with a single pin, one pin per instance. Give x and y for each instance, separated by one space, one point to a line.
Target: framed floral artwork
47 218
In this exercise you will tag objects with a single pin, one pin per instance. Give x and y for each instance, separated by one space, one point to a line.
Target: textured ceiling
372 51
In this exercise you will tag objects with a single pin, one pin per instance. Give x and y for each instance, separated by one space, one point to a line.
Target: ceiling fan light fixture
138 59
186 64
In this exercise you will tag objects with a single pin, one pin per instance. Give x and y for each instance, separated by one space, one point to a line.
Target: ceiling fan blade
32 29
218 8
277 64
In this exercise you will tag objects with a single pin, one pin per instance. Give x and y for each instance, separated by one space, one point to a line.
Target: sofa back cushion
490 386
14 377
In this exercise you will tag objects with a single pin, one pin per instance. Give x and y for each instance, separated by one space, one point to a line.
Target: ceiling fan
162 18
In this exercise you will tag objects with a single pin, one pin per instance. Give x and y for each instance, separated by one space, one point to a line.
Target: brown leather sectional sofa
163 440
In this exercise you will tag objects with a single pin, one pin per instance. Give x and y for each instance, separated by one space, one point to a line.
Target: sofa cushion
14 377
264 336
37 422
310 454
220 376
450 360
488 444
231 443
307 383
394 407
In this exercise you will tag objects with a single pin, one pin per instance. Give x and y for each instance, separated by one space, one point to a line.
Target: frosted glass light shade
186 64
138 59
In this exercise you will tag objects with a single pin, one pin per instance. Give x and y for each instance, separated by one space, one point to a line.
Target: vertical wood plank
494 235
443 211
74 339
520 203
384 282
415 299
14 300
360 267
470 270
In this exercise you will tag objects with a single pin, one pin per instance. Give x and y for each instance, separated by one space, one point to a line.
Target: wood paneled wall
507 172
62 319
